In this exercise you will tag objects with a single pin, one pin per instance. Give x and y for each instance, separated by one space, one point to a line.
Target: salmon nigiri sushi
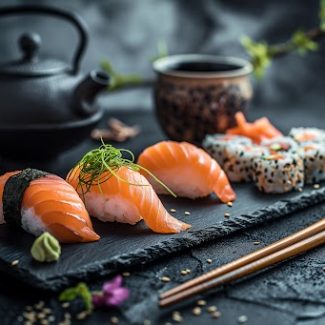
39 202
186 169
114 190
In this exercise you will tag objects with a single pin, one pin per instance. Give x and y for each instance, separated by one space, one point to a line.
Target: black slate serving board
123 245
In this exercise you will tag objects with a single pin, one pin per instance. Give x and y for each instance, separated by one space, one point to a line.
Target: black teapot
46 106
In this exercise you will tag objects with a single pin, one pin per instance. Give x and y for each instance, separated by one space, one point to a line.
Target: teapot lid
30 65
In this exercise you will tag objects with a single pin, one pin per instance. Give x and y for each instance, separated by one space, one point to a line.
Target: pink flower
113 294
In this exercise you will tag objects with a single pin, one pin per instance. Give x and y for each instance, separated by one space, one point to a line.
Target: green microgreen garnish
99 165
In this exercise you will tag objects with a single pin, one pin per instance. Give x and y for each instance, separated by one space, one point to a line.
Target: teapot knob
30 44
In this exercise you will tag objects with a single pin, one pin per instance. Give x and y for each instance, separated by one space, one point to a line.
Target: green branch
121 81
301 42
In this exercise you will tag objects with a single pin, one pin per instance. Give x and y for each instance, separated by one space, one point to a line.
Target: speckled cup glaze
197 94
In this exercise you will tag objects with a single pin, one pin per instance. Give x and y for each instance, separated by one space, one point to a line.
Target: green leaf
259 53
80 291
85 295
322 15
303 43
68 294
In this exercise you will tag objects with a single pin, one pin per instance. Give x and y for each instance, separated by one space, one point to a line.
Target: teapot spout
87 90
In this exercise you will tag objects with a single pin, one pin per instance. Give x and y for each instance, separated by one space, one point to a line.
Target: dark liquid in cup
204 67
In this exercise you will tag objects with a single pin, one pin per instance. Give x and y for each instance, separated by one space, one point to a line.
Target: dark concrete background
127 32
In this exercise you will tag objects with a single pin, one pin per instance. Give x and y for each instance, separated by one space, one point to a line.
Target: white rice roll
314 161
239 161
302 135
279 173
217 144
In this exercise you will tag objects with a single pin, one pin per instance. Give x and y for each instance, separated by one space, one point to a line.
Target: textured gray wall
127 32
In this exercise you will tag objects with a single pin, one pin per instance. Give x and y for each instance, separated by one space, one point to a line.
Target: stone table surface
290 293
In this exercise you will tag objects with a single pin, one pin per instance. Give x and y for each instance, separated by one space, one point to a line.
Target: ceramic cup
199 94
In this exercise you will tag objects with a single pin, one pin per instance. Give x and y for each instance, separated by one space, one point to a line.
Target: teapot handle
73 18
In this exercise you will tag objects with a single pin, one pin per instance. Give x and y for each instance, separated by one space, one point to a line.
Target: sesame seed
66 305
172 210
147 322
197 311
168 323
40 305
177 317
28 323
47 311
41 315
185 271
209 260
82 315
165 279
114 320
216 314
51 318
229 204
29 316
316 186
44 322
242 319
256 242
212 309
14 263
227 215
67 315
299 189
201 302
126 274
187 213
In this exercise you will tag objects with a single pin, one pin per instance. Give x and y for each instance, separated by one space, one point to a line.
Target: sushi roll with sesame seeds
313 154
239 160
278 172
302 135
216 145
281 145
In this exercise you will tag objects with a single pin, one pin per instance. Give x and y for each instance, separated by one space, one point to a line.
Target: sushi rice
279 173
217 144
302 135
239 161
313 154
30 222
111 208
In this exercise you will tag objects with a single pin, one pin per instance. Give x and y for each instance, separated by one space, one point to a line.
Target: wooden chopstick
285 242
296 248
